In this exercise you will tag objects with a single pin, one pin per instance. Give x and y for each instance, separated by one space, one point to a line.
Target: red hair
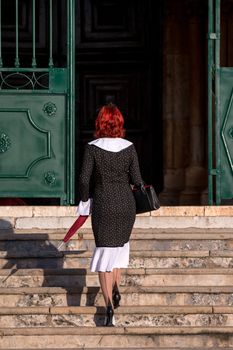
109 122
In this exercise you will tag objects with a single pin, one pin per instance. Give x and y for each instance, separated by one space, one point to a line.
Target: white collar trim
112 144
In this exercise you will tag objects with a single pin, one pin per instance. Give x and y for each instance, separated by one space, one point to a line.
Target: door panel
37 97
32 145
226 141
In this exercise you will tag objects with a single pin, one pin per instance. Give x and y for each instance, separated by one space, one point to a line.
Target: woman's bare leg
106 282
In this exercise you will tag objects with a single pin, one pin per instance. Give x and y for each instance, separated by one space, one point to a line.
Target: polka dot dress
113 207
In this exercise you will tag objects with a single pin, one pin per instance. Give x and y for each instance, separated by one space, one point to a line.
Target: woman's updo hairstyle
109 122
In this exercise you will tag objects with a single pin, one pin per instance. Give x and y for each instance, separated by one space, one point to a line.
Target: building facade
149 57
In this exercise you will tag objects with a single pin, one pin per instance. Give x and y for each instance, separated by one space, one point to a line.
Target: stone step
134 316
50 247
139 234
138 259
126 348
41 242
89 296
135 253
131 277
132 348
127 337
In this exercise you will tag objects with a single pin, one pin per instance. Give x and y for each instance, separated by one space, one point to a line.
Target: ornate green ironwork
33 34
50 178
1 63
38 138
5 142
51 33
50 109
220 115
24 80
40 91
230 132
214 174
17 34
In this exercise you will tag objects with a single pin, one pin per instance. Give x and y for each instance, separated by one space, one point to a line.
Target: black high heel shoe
110 322
116 298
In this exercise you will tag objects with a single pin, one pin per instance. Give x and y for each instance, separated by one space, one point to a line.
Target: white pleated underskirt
108 258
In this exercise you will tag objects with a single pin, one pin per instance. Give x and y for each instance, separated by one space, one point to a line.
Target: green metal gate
37 118
220 115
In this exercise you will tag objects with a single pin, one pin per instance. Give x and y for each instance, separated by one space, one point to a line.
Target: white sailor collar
112 144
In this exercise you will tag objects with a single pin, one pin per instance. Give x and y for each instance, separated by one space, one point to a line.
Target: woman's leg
115 288
106 282
116 279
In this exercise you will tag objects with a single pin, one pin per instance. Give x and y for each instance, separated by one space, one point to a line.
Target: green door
37 119
226 133
220 115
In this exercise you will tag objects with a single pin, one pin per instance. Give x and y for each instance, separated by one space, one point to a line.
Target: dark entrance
119 59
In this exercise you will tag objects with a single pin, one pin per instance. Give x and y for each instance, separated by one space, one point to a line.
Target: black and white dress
112 164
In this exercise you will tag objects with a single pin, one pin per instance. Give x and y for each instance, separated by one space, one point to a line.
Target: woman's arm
134 169
85 175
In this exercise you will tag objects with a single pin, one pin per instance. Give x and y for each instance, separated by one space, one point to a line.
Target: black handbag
145 198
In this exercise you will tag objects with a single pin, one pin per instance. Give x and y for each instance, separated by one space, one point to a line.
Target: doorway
119 60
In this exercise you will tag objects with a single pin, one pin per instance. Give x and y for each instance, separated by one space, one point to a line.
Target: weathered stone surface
167 217
54 211
161 244
48 248
82 298
135 262
139 277
136 337
47 223
184 222
137 320
179 211
188 272
218 211
16 211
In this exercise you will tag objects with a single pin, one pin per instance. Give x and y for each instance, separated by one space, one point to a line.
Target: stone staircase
176 294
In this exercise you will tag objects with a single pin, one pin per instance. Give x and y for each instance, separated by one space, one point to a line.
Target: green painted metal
50 33
71 104
1 34
33 34
217 98
220 117
16 34
225 137
210 99
33 136
37 122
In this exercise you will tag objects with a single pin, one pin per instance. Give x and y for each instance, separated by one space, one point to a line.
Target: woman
112 163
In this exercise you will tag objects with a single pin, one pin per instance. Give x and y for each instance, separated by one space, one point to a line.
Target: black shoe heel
116 298
109 317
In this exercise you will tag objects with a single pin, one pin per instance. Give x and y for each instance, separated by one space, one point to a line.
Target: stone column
196 172
175 107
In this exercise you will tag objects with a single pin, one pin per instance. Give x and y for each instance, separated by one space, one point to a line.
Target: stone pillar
196 172
175 107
